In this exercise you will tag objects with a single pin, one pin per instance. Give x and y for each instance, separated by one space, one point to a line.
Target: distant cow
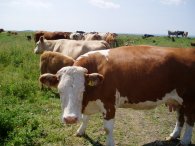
147 35
78 31
1 30
111 39
180 33
76 36
51 35
92 36
177 33
12 32
193 44
28 37
172 33
138 77
71 48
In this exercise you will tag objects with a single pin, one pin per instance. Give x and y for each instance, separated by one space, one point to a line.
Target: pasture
29 116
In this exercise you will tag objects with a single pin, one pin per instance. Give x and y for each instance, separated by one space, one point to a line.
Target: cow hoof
79 134
170 138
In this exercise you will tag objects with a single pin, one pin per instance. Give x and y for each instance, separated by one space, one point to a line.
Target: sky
119 16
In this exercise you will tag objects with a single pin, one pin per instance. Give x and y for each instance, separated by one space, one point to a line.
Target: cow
28 37
172 33
177 33
103 35
138 77
51 35
71 48
193 44
111 39
147 36
12 32
1 30
76 36
91 36
180 33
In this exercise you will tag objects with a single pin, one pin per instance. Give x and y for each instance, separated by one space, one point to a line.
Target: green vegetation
155 41
29 116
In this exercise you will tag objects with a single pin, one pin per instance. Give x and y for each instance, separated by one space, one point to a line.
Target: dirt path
147 128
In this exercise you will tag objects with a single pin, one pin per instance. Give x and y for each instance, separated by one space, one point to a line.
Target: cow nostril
70 120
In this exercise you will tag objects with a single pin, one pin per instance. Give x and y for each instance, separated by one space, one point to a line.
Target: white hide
177 131
94 107
105 53
187 135
171 97
109 126
48 45
82 128
71 88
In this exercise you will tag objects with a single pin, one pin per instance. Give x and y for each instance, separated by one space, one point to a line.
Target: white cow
71 48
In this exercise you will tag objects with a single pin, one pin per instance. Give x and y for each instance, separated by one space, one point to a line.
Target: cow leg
108 126
189 123
82 128
179 125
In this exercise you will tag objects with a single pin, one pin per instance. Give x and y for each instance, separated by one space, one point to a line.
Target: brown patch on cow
51 62
51 35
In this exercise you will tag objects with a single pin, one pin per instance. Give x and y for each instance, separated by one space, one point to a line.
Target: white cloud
104 4
172 2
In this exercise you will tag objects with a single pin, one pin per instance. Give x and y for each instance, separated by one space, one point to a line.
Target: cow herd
78 35
177 33
91 77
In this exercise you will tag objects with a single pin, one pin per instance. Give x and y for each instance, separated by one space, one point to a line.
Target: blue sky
120 16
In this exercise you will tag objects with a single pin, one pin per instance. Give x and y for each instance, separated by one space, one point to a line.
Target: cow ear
49 80
93 79
41 39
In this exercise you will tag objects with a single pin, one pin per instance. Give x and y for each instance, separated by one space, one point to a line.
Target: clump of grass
22 89
17 128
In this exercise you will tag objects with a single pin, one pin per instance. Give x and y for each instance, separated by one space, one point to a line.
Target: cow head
40 46
71 82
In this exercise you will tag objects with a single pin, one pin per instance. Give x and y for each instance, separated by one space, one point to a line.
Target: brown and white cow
71 48
138 77
51 35
92 36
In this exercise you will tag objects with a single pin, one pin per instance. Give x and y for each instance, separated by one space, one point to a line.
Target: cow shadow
165 143
93 143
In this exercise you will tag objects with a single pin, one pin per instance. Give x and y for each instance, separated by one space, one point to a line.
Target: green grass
31 117
163 41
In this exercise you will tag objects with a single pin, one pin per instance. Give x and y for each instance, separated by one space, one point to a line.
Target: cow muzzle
70 120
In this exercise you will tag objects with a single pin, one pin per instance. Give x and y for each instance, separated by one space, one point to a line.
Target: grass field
31 117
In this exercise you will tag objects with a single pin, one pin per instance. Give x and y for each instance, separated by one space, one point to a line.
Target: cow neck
50 44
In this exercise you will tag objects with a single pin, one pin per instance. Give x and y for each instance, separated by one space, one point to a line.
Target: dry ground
147 128
132 128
